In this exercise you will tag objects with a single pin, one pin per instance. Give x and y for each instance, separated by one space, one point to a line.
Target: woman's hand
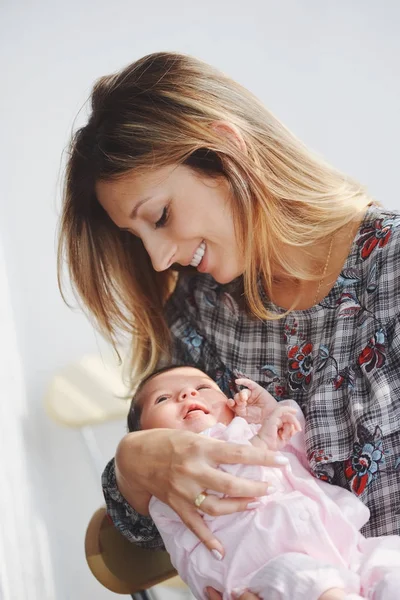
176 466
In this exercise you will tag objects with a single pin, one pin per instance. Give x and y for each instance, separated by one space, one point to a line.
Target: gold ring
200 499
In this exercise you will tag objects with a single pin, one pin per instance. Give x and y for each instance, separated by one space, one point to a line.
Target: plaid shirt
340 361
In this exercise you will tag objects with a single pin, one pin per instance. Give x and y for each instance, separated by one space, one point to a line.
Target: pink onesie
301 541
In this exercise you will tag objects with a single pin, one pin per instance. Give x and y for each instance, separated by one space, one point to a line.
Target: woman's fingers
193 521
230 485
215 506
229 453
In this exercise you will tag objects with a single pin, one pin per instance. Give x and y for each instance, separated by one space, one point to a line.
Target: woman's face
180 216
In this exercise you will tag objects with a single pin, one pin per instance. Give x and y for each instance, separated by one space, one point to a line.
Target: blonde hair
160 111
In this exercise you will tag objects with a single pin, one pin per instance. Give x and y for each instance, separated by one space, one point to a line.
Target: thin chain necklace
324 271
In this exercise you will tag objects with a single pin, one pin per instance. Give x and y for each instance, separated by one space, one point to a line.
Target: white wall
330 71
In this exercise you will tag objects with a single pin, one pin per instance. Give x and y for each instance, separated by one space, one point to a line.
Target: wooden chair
121 566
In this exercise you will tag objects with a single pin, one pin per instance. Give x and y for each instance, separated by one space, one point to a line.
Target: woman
197 224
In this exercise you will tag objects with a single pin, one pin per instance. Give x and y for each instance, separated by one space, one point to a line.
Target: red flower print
300 366
280 391
376 235
362 468
374 354
320 465
320 456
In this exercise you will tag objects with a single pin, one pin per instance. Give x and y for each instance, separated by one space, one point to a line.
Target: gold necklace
324 271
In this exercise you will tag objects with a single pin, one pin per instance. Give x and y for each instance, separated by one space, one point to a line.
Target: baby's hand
239 403
280 426
253 404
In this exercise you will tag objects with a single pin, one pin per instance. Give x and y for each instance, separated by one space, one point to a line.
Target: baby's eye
203 387
161 399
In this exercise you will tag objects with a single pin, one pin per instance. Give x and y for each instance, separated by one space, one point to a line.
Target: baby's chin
199 424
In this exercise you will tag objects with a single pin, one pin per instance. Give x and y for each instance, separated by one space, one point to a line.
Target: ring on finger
200 499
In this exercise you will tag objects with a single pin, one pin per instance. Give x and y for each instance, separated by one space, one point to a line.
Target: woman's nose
186 393
161 254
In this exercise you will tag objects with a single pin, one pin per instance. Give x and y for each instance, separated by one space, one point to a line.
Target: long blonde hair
160 111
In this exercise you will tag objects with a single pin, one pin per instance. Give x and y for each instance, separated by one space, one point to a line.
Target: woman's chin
225 277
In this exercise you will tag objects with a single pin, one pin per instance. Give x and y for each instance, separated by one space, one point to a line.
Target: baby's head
178 398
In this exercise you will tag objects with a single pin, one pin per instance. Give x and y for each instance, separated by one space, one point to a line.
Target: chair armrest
119 565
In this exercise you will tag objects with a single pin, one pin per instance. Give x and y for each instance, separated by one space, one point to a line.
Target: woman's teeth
198 255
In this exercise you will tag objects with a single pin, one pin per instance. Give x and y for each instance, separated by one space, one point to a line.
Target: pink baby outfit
303 540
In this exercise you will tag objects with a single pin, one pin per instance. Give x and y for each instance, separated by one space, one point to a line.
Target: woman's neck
325 258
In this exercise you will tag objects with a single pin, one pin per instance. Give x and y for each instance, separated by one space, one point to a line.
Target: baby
301 541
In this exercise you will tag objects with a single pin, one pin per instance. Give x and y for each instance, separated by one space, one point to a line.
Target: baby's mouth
194 409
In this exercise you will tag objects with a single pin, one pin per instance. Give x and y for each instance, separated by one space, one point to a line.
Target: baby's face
183 398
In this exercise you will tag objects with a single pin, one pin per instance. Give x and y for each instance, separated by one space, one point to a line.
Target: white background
329 70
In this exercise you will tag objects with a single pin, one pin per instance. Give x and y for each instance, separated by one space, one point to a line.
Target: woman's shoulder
378 241
376 260
379 227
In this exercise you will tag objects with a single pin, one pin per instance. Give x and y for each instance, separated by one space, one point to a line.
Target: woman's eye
161 399
163 219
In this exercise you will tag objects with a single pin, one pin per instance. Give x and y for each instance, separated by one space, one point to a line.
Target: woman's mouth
198 255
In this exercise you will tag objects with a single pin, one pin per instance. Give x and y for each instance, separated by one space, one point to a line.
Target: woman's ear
229 130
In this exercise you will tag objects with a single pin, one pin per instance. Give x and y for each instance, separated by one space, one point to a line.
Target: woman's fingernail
252 505
216 554
281 460
271 490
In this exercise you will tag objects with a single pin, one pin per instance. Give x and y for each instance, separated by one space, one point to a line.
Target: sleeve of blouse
186 349
134 526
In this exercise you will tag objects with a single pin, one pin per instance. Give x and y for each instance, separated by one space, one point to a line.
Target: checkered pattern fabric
340 361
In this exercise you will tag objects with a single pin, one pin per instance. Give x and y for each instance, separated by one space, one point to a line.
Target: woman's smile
198 255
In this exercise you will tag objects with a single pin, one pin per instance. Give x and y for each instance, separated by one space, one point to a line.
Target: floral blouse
340 361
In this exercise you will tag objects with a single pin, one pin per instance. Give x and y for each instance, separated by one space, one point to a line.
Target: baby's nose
187 393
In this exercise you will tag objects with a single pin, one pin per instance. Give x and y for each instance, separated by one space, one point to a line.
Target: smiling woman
196 223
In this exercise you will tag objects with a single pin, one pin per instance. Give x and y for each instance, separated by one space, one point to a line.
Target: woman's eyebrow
138 205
